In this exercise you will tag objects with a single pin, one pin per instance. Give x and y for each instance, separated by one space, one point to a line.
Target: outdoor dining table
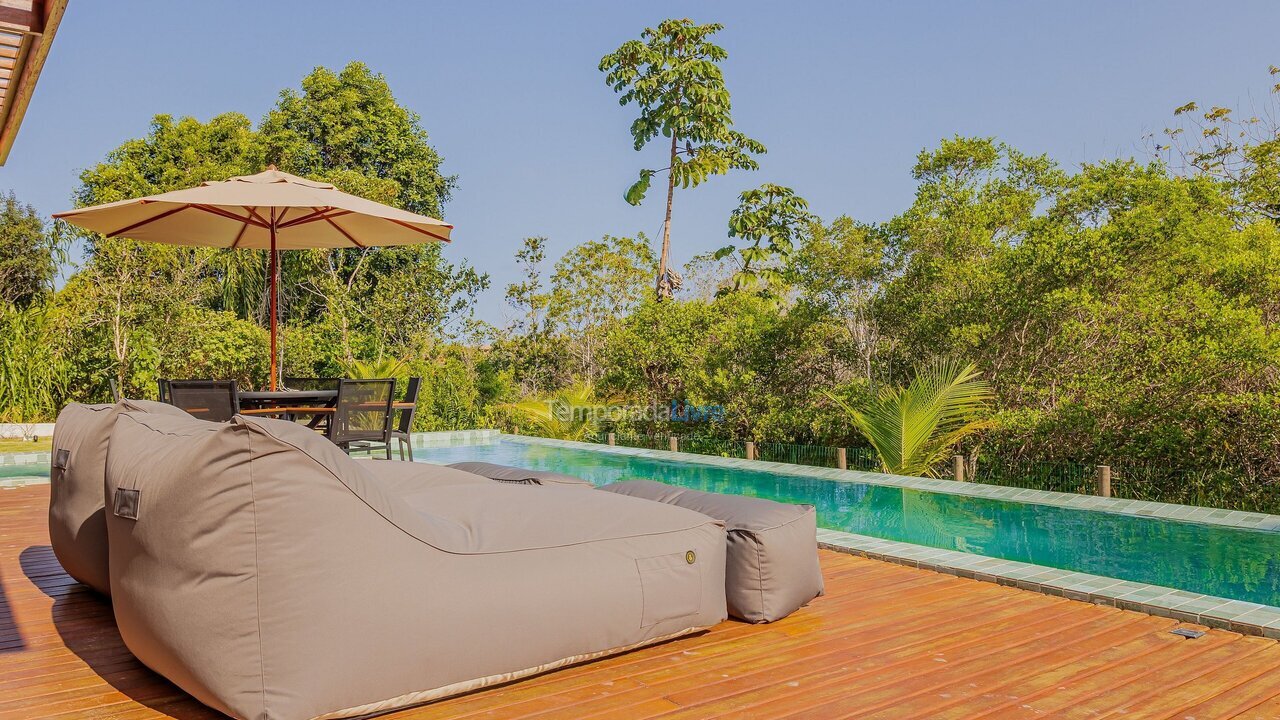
289 403
292 403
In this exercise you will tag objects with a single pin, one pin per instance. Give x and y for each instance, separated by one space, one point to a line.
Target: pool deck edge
1238 519
1239 616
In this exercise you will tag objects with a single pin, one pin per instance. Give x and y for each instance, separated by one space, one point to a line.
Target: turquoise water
1214 560
8 472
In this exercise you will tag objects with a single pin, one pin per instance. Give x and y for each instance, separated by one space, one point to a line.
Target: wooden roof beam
30 20
42 23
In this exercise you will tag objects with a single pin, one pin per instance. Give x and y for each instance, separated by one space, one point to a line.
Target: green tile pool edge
1235 615
1141 508
31 458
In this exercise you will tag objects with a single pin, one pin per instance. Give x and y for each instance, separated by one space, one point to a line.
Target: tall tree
839 269
672 74
593 285
530 342
29 253
347 128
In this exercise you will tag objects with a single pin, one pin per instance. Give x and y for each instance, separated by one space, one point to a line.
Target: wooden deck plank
1239 700
887 641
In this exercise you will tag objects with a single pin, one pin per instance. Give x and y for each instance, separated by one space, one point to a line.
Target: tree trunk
663 287
120 343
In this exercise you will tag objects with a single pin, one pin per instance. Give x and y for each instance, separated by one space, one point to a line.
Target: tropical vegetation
1125 309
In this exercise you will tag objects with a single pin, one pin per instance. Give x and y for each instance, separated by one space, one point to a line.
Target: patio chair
362 416
403 431
163 384
215 400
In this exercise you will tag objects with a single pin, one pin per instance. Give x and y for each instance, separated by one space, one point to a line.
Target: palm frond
372 369
912 429
563 415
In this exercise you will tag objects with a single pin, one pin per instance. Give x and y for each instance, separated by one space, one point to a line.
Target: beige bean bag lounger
272 577
509 474
400 478
772 564
77 470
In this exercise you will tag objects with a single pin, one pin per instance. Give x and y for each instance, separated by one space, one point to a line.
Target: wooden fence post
957 467
842 459
751 450
612 439
1104 480
674 443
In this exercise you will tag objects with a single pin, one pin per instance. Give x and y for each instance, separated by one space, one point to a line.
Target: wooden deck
886 642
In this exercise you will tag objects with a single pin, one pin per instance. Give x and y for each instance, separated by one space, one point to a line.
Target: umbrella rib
417 229
137 225
345 234
321 214
254 212
243 226
212 210
314 214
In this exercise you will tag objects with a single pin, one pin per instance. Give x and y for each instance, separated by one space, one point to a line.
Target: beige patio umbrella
272 211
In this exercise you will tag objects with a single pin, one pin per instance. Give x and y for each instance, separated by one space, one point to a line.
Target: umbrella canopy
272 211
240 213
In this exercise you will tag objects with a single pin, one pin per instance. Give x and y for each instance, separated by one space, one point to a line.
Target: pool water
31 470
1210 559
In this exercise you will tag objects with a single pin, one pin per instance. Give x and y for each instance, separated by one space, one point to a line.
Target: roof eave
37 27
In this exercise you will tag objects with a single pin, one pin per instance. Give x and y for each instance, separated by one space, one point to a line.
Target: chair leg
408 446
388 446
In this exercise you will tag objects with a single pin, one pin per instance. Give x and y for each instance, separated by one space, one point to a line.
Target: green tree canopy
348 129
594 285
29 253
771 218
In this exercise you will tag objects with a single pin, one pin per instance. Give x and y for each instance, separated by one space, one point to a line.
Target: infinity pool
1210 559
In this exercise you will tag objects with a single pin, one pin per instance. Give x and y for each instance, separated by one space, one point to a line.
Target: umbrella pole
274 271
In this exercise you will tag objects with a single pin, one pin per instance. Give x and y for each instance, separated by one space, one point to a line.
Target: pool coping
1240 616
1237 519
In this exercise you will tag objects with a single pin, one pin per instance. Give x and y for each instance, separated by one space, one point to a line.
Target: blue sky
844 94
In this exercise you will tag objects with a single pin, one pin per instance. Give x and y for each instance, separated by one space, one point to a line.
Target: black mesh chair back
216 400
163 384
405 424
363 411
310 383
403 432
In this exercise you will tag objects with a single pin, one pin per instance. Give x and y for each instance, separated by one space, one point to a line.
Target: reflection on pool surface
1209 559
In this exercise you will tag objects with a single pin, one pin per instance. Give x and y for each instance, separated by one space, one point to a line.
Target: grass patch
18 445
